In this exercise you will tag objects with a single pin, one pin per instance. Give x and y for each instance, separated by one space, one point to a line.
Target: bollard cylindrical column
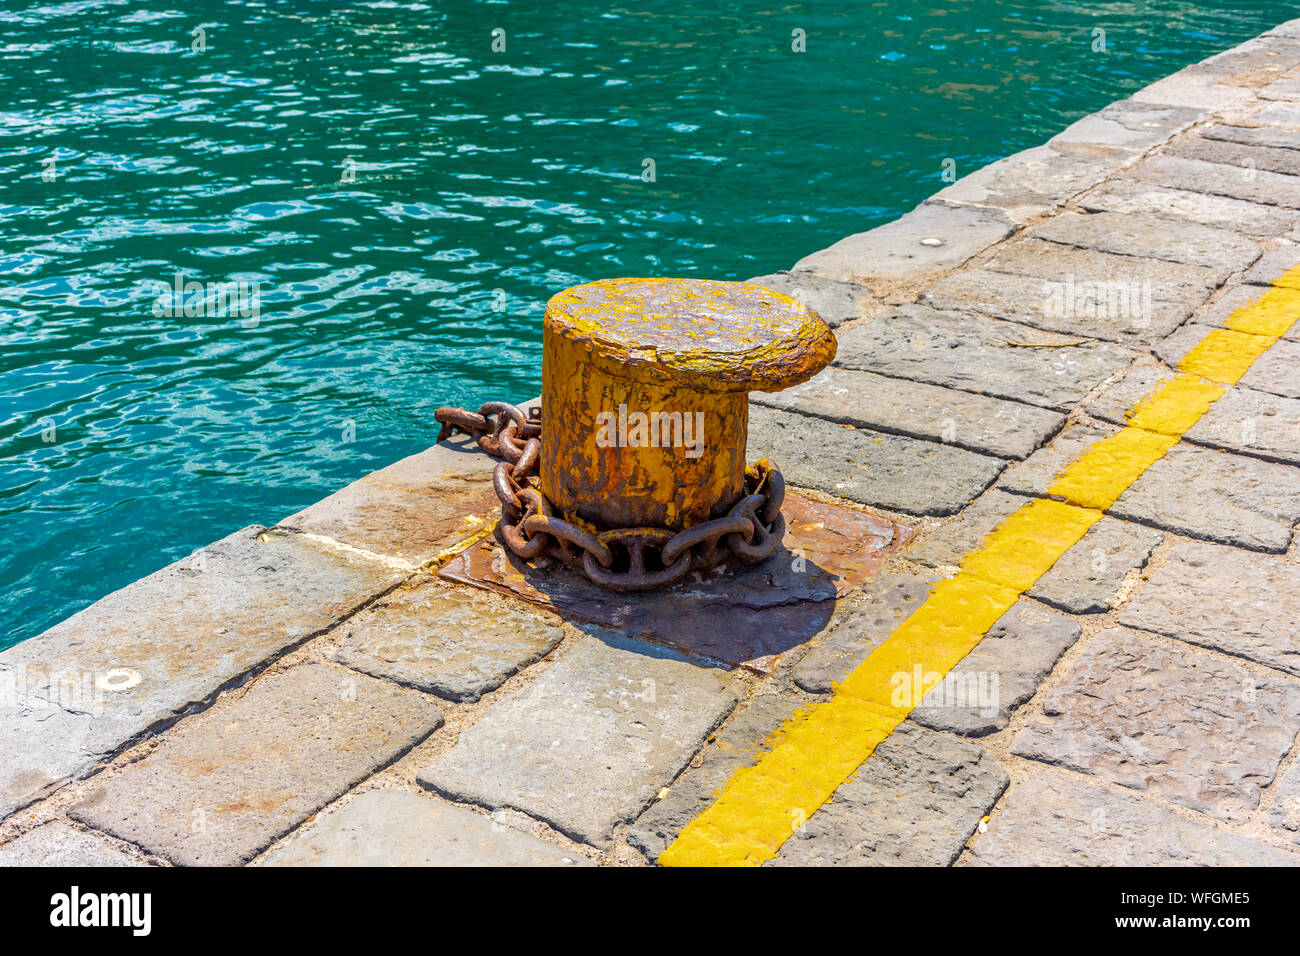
645 388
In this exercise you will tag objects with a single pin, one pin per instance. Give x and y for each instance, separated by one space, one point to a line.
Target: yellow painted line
819 748
1177 405
1225 354
1104 471
1271 314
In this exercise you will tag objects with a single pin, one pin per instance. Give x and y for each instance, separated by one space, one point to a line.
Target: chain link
622 559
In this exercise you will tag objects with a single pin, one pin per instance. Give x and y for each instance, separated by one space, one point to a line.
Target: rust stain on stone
745 619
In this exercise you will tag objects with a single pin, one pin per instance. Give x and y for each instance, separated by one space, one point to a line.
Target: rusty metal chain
622 559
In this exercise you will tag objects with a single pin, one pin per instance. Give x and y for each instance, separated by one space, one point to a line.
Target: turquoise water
403 199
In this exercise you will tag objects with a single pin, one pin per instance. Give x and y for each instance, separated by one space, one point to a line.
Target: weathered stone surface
1286 807
1259 59
979 354
411 510
896 251
142 656
1270 136
1247 218
1274 371
836 302
1217 179
965 419
58 844
1191 490
861 627
458 643
914 802
738 744
1127 127
1083 581
1242 419
587 746
396 828
887 471
1168 281
979 695
1280 114
1051 820
1269 158
1226 599
223 788
1092 308
750 617
1185 725
1145 235
1287 89
1273 264
1029 183
1195 91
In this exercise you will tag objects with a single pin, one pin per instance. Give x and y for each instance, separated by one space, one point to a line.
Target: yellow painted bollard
645 388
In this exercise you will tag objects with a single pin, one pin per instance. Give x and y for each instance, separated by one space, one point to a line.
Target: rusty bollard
645 388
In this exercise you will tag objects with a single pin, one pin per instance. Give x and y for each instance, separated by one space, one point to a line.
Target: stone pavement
1097 330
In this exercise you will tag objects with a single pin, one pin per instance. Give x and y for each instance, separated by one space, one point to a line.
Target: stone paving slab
411 510
1273 264
1241 420
1182 724
1269 158
1149 236
396 828
1287 88
1030 183
916 409
1280 114
874 468
1005 669
1093 308
1247 218
1202 92
1126 127
914 802
59 844
1052 261
223 788
740 742
1229 600
1274 371
1285 816
458 643
1083 581
980 354
1258 58
1050 820
1269 136
836 302
1218 179
896 250
146 654
978 696
588 745
1199 492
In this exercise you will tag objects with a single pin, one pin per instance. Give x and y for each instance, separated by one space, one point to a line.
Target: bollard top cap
697 333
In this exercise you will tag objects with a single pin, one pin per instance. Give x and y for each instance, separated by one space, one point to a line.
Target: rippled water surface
403 199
